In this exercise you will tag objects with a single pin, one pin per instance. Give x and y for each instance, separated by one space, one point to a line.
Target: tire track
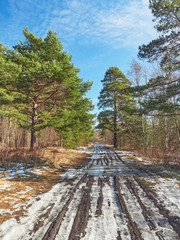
55 225
132 226
100 198
41 218
118 236
145 212
131 186
104 205
82 216
174 221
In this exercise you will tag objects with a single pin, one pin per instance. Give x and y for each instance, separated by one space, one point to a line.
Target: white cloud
117 23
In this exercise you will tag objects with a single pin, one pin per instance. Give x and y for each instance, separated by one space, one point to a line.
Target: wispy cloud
116 23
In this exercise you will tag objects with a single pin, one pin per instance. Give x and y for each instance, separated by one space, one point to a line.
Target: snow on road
110 198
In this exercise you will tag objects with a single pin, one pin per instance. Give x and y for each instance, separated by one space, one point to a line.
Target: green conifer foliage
43 84
165 49
113 99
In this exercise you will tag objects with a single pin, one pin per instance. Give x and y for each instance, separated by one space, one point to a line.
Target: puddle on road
101 170
104 163
110 171
98 171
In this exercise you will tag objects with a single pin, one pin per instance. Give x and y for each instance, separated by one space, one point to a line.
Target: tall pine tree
166 50
42 81
113 98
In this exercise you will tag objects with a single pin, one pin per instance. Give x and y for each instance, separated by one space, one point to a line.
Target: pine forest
90 120
44 103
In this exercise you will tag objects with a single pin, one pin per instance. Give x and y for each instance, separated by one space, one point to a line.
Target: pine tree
113 99
74 121
166 50
42 81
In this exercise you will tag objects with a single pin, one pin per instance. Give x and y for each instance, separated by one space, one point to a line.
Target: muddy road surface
109 198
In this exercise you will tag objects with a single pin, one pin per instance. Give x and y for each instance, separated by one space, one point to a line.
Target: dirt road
109 198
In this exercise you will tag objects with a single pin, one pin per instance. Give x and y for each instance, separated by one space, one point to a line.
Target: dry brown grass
54 155
131 157
21 188
148 186
60 156
167 159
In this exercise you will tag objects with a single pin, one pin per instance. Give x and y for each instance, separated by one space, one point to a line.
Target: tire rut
82 216
55 225
132 226
132 188
100 198
43 216
146 213
81 222
174 221
119 236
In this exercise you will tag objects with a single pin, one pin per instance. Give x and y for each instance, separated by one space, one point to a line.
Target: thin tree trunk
143 125
166 133
145 136
33 123
115 129
115 120
153 135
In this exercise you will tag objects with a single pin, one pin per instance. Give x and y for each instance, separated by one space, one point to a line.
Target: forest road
110 198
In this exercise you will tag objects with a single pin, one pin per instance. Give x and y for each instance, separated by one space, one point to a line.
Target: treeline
41 96
142 112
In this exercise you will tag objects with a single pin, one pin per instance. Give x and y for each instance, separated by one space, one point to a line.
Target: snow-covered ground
110 198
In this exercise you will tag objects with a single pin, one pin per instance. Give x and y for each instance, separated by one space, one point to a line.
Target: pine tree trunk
144 131
33 123
115 129
153 135
166 133
33 139
145 136
115 121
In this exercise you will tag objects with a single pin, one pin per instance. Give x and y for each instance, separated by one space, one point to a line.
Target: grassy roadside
168 169
25 174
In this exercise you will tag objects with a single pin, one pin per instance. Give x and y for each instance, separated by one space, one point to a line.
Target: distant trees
165 49
162 92
41 87
152 124
113 99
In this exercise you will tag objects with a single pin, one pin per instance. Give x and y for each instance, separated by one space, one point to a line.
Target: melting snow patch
4 186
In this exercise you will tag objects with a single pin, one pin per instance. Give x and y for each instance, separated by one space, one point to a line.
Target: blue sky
98 33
